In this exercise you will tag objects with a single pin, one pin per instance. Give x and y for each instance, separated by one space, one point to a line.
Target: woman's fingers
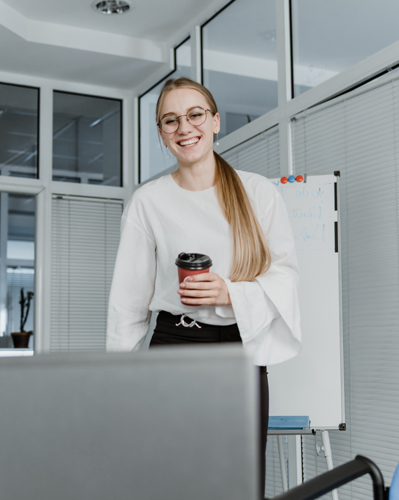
203 281
204 289
198 293
198 302
207 285
198 278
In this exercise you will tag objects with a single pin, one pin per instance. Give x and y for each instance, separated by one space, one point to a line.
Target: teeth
186 143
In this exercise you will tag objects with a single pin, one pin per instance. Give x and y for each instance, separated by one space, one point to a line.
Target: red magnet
284 180
299 178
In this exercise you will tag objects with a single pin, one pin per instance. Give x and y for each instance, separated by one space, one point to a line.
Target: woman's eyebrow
175 114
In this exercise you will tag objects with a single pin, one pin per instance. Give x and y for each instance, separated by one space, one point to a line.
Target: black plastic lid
193 261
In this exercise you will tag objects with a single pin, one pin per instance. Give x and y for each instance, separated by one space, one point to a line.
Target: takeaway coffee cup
189 264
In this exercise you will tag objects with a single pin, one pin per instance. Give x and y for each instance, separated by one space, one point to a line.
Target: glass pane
17 254
87 139
18 130
329 37
183 60
240 62
153 156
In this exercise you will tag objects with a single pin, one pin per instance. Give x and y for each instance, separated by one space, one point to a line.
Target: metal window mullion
43 222
196 53
284 83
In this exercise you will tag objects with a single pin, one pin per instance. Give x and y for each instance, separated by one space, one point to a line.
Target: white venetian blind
261 154
274 481
357 134
85 238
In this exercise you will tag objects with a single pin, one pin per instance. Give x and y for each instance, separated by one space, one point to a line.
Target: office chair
330 480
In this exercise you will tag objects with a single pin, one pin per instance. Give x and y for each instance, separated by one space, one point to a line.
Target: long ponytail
251 255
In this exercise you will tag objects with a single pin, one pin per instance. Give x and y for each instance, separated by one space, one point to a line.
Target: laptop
169 423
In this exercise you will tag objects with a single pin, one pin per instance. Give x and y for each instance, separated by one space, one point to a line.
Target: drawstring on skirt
187 325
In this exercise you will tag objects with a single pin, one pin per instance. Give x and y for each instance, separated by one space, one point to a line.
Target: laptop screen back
177 423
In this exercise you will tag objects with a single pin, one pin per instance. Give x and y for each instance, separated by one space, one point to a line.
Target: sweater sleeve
267 308
132 288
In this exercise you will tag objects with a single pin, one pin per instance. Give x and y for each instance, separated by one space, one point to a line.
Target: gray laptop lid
177 423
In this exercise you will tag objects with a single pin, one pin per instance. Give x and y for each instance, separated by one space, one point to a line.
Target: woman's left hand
204 289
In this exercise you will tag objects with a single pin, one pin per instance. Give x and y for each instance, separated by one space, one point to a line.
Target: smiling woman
205 207
182 118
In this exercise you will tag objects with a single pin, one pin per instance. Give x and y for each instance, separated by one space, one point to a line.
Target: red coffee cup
189 264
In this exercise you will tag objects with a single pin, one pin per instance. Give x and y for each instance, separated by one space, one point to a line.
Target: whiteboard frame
341 425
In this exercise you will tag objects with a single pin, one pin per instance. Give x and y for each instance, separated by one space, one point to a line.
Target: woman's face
189 144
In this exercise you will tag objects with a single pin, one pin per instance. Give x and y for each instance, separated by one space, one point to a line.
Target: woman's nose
184 125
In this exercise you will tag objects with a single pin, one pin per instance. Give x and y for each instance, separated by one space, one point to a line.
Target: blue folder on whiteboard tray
288 423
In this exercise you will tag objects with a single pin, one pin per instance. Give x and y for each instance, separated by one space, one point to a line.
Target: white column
284 82
195 38
43 224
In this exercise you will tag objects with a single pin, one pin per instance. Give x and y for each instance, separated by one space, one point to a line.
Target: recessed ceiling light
110 7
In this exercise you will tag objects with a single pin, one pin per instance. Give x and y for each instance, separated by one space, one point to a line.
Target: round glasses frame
178 120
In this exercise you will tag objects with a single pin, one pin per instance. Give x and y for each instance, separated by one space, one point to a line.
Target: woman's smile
185 143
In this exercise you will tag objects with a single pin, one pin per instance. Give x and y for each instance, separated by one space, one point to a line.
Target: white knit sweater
162 220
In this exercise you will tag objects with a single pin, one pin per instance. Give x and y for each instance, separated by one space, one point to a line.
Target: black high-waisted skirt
166 332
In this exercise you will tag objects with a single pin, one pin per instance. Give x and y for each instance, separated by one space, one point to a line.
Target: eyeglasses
196 116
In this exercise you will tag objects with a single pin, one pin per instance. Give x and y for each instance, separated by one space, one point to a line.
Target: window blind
274 482
85 238
260 154
357 134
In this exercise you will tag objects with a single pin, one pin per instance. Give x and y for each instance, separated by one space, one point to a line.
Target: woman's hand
204 289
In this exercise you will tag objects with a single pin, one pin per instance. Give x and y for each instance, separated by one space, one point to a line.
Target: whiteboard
312 383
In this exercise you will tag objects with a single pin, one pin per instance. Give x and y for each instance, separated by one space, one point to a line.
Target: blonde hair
251 254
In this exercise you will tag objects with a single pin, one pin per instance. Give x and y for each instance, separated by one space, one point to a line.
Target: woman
205 206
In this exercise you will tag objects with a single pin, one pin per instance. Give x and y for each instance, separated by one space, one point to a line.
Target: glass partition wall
85 137
239 61
329 37
19 133
87 146
19 130
17 270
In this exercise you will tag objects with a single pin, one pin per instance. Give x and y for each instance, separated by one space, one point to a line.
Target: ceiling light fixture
110 7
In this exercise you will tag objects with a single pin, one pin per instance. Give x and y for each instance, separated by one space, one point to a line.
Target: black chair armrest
335 478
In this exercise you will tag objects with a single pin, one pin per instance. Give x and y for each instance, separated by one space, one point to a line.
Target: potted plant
21 338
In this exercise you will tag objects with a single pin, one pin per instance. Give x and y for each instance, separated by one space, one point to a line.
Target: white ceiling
67 64
67 40
153 20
